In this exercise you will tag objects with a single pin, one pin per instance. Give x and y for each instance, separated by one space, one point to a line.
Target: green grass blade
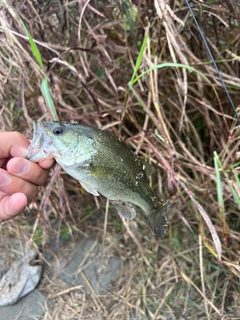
44 85
218 167
232 187
33 45
169 64
48 98
139 58
218 182
236 176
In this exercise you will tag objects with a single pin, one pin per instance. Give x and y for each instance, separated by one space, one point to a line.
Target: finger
10 184
10 206
27 170
13 144
47 164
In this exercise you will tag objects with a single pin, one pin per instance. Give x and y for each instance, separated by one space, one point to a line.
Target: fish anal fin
125 209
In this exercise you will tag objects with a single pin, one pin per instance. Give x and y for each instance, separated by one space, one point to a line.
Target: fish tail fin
158 216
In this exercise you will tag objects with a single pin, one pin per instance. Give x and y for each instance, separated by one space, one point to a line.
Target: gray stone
102 269
28 308
100 272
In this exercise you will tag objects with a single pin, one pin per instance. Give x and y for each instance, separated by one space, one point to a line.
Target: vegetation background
177 118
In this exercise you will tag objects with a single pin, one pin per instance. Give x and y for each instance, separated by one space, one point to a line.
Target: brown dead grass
90 49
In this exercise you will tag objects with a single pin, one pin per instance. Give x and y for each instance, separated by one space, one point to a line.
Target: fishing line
213 61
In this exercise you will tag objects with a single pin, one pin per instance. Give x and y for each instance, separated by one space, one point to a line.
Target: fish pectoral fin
101 172
125 209
89 188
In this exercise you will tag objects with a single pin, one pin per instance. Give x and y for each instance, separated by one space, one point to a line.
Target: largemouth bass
104 165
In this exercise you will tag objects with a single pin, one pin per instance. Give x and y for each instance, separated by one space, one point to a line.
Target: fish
104 165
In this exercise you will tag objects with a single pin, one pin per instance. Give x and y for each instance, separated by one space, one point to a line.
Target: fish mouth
39 149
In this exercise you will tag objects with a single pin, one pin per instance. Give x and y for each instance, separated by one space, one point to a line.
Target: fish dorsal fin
125 209
149 169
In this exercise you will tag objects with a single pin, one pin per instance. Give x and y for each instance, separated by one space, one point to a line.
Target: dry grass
172 117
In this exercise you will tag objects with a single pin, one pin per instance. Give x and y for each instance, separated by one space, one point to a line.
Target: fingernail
4 178
21 167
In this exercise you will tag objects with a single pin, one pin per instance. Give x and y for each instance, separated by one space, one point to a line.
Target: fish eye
57 131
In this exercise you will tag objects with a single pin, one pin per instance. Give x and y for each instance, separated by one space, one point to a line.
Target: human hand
19 177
